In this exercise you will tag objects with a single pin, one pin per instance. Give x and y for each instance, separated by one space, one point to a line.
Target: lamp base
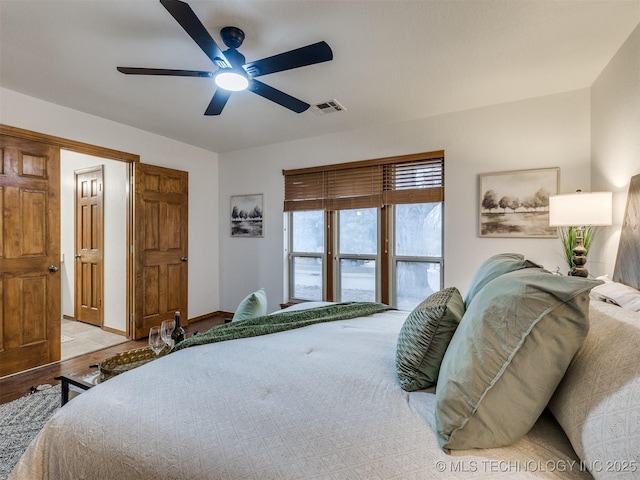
579 257
578 272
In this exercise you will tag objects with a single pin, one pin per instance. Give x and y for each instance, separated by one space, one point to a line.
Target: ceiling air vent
324 108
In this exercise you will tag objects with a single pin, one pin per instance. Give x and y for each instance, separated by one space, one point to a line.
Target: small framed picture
516 203
247 215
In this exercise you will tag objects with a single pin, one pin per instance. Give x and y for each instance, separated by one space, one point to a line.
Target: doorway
52 288
30 335
107 310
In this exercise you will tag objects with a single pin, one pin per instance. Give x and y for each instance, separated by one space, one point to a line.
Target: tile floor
85 338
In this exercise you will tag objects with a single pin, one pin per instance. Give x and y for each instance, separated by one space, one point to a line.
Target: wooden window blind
419 181
417 178
359 187
305 191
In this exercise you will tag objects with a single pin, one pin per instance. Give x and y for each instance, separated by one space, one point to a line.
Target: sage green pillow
424 338
251 306
492 268
508 355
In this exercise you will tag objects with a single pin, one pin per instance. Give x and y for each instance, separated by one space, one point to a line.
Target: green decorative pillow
253 305
424 338
492 268
508 355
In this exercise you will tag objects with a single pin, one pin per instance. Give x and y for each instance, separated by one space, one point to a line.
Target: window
367 231
357 255
307 241
417 254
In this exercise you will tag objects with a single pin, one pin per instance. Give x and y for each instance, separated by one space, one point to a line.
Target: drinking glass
156 341
166 329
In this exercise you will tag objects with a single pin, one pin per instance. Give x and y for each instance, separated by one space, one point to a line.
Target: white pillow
623 295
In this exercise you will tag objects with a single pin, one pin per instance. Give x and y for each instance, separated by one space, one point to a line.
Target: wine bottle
178 333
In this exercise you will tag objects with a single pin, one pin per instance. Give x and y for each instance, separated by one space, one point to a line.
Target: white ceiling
394 60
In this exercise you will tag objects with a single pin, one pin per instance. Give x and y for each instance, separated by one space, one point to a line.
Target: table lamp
580 210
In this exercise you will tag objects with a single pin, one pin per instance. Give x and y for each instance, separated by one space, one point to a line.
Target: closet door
29 254
160 245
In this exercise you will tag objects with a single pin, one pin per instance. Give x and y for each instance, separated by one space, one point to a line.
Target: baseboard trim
206 316
114 330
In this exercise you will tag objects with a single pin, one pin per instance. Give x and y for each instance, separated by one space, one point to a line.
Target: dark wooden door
160 245
29 254
89 245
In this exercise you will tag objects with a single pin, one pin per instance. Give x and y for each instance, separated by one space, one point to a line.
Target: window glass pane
357 280
415 281
307 278
419 229
308 231
359 231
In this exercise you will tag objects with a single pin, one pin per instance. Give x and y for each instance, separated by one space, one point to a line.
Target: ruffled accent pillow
424 338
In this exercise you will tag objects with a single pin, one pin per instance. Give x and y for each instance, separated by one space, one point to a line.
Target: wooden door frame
106 153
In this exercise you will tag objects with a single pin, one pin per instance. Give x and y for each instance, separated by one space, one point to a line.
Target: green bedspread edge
280 322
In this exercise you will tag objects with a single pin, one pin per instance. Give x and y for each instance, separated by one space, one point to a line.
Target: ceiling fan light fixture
232 79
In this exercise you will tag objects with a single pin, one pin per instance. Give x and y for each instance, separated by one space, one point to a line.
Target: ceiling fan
233 73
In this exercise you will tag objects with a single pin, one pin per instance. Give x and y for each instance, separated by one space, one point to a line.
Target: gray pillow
598 400
508 355
424 338
492 268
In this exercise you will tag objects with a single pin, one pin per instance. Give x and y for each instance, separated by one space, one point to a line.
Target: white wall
552 131
115 200
21 111
615 142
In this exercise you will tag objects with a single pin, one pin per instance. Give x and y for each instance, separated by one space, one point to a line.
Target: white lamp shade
580 209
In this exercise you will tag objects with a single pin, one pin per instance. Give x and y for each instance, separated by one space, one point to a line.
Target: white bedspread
316 402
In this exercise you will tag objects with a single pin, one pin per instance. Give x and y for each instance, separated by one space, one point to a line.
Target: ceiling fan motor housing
232 36
235 57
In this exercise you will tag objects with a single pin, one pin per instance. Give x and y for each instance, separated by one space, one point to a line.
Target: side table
70 380
112 366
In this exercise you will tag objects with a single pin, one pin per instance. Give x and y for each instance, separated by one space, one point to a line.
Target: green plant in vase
568 237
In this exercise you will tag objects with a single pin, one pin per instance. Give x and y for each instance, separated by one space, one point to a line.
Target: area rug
20 422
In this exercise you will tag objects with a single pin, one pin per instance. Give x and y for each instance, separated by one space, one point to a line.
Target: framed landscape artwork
516 203
246 216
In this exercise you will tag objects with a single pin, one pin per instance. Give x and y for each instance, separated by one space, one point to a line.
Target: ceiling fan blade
277 96
300 57
188 20
164 71
218 102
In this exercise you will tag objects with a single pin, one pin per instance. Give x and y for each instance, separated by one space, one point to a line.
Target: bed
325 401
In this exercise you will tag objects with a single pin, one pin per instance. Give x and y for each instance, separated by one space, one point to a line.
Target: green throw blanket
279 322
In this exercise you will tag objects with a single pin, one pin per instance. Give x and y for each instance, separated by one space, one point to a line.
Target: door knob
77 255
184 259
53 268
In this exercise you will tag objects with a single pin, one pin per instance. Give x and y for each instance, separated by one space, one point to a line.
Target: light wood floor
79 338
18 385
